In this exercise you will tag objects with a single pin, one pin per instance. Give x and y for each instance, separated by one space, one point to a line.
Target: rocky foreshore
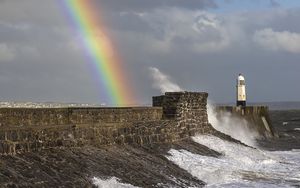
75 167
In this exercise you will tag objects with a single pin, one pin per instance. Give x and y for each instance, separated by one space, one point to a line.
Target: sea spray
235 127
162 81
239 166
112 182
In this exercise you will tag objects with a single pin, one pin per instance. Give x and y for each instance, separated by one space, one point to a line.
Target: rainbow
99 51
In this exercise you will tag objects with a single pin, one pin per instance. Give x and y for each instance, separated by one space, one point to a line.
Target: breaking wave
112 182
235 127
239 165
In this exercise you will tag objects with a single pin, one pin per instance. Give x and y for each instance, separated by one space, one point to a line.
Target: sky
202 45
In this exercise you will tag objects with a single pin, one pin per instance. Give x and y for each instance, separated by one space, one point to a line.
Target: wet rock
144 166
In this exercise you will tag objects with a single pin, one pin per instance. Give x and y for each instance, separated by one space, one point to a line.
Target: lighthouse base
257 118
241 103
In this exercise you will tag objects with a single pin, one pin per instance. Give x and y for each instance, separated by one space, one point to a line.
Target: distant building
241 91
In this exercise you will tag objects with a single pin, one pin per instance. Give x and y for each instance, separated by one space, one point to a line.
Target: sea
255 163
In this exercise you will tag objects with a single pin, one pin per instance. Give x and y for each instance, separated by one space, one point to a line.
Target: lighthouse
241 91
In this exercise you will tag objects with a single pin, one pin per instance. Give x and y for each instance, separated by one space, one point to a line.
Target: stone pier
174 116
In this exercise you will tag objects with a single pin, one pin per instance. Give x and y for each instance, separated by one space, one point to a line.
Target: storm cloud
193 41
138 5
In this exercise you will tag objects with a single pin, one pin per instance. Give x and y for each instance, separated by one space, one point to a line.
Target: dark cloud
42 60
274 3
145 5
204 51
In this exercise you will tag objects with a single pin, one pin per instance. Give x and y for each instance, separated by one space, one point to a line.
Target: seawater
240 166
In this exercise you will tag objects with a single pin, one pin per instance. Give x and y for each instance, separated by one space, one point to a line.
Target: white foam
205 168
112 182
239 166
235 127
297 129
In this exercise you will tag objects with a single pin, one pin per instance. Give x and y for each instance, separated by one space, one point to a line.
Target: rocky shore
76 167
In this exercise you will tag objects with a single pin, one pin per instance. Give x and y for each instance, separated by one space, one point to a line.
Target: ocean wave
239 165
112 182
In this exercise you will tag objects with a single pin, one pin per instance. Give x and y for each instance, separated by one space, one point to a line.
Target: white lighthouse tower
241 91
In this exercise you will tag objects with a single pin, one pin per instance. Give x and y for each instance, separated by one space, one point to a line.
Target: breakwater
68 147
174 116
257 118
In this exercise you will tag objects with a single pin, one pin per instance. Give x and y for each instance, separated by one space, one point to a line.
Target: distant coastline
286 105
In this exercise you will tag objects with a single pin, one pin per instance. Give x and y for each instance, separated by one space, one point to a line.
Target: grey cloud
6 53
274 3
193 30
43 65
144 5
25 13
276 41
171 50
201 50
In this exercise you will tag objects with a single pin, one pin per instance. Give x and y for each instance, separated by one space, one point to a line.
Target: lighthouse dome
241 80
241 77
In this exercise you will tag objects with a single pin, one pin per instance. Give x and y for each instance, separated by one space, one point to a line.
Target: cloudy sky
201 44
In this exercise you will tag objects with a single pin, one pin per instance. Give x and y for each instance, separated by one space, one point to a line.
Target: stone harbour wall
257 117
188 109
174 116
20 117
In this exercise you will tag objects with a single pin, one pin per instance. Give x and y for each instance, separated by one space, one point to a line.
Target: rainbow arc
99 50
